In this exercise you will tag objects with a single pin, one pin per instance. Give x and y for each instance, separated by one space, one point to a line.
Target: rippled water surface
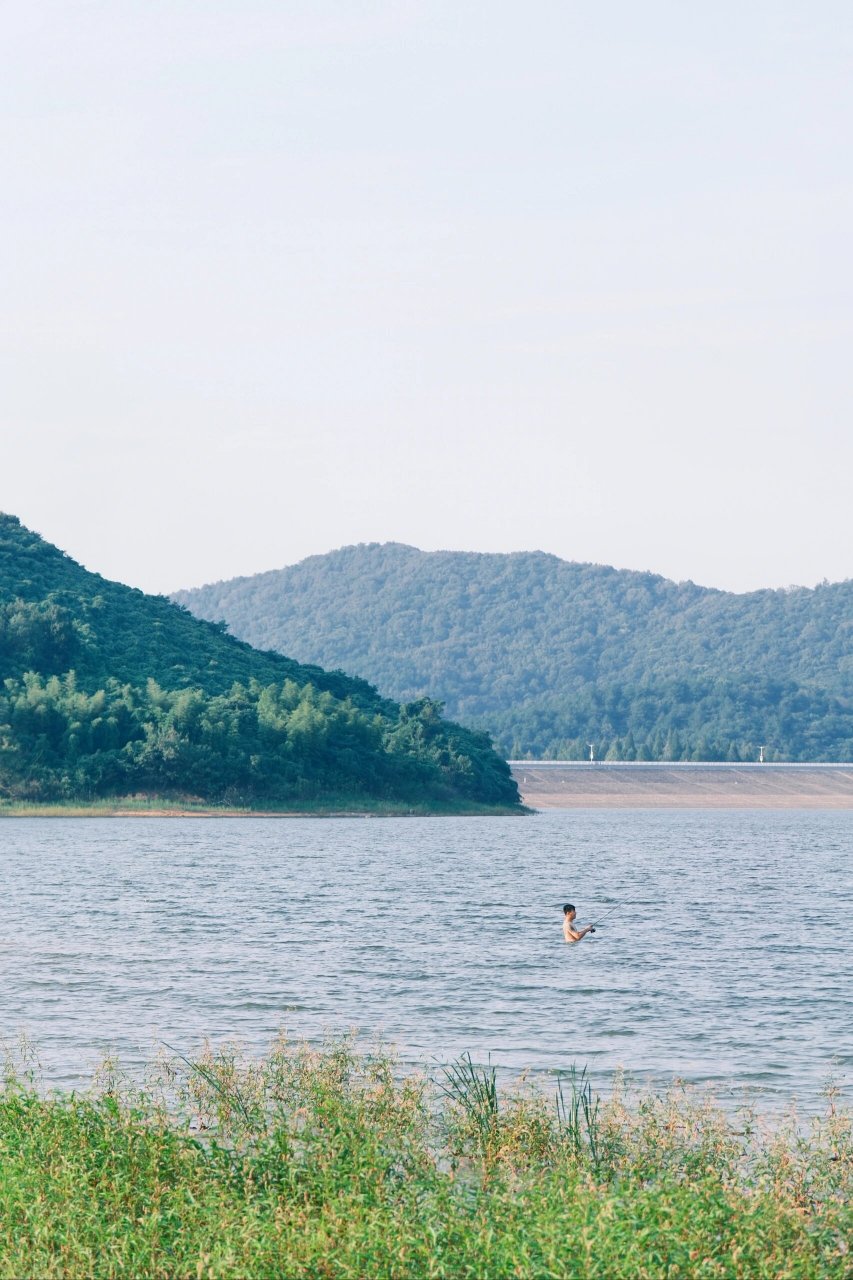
729 960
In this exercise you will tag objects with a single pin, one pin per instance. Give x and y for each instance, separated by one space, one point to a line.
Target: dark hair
569 906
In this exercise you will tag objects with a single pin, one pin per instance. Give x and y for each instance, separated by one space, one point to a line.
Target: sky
281 276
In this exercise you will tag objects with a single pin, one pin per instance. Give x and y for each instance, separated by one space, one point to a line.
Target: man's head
568 910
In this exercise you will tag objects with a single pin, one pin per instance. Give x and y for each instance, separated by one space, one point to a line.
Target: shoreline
123 809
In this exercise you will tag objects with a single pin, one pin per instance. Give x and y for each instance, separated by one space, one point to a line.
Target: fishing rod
597 922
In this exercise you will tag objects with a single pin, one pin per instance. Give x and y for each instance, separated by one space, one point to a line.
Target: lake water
729 961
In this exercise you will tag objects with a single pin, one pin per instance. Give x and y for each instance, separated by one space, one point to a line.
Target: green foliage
106 691
549 656
326 1163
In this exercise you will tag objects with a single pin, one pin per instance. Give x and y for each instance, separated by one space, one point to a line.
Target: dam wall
549 784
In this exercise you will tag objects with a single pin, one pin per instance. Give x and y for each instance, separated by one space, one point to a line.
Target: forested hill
551 655
107 691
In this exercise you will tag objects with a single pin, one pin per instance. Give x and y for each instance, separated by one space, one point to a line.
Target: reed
331 1163
473 1091
578 1118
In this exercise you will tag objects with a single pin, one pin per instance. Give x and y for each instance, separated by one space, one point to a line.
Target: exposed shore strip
155 808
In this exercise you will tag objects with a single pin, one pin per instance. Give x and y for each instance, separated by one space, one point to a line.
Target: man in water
570 933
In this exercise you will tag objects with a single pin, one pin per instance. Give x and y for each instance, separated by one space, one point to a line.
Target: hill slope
551 655
105 690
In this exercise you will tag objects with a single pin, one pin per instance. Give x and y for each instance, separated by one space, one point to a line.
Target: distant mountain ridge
105 690
551 655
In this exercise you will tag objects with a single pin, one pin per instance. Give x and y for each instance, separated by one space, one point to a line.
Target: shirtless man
570 933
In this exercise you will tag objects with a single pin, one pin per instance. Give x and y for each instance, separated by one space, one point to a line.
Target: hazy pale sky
280 276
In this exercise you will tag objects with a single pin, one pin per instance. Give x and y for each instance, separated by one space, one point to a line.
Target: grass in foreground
329 1164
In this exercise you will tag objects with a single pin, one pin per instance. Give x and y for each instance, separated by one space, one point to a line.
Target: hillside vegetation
107 691
550 655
